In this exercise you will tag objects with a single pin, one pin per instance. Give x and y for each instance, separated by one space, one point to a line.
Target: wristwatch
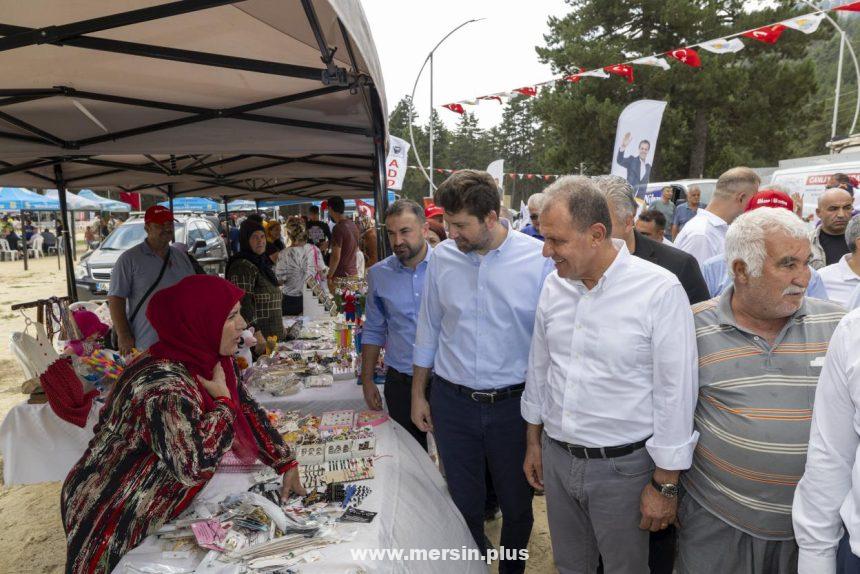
668 490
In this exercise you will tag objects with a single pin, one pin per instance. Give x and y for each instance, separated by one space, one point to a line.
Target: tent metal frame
333 79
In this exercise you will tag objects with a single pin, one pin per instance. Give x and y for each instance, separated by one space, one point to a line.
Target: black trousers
398 398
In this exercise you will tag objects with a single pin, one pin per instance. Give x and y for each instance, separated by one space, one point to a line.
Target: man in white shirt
610 389
827 499
704 236
843 278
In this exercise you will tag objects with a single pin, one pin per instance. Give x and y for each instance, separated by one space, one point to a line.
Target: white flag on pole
723 46
497 171
395 163
652 61
807 23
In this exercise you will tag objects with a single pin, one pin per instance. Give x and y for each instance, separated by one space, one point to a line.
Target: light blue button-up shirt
478 312
716 273
393 301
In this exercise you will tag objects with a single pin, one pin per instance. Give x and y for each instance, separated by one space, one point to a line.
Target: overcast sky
494 55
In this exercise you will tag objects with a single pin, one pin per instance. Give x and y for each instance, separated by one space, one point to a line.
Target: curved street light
429 58
842 44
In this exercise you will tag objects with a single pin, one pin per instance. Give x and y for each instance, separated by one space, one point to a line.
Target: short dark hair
403 205
255 217
645 142
585 203
314 209
655 216
336 204
469 189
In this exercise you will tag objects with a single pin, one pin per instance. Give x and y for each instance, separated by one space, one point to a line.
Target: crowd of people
686 408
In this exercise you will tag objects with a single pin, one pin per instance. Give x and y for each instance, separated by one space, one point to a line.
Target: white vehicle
655 190
809 181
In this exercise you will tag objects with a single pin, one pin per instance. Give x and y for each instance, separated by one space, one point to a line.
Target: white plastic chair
36 250
6 252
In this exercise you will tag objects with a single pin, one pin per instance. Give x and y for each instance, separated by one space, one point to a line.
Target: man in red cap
138 274
433 212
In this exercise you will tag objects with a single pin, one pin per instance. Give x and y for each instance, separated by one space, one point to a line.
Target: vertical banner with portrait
497 171
636 142
396 163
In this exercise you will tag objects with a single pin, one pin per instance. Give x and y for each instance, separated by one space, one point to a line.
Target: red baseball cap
432 211
158 214
770 198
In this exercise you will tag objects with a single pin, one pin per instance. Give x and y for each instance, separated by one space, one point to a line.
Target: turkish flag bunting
497 98
527 91
574 78
686 56
623 70
455 108
766 34
850 7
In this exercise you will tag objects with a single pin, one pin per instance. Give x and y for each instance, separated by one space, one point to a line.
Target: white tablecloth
340 395
38 446
415 512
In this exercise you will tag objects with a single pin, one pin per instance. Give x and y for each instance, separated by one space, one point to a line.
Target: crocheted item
66 393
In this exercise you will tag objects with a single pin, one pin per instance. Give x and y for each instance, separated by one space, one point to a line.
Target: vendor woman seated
170 418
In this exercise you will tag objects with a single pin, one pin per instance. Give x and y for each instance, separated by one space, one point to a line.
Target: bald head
834 210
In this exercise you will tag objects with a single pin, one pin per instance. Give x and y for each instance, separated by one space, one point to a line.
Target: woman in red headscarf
168 421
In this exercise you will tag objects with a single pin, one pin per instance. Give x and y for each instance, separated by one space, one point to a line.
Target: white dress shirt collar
712 218
613 270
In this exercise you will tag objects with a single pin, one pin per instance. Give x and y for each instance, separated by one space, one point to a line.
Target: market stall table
414 510
38 446
340 395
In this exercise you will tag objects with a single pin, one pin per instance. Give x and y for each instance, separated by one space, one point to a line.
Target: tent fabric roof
218 99
16 199
105 203
74 202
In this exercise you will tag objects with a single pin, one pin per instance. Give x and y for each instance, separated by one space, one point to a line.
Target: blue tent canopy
349 203
241 205
196 204
106 204
17 199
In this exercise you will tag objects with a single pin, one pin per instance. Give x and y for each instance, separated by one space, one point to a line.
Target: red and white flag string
808 23
511 175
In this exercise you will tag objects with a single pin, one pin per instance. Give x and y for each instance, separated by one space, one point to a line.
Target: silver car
199 234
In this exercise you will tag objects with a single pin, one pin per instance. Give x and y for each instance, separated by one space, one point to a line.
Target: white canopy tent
74 202
255 99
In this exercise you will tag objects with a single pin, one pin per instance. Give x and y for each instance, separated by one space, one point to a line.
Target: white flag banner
636 142
395 163
652 61
806 24
723 46
497 171
598 73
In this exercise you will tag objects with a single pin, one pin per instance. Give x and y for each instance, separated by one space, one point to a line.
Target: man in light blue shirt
474 330
394 287
716 273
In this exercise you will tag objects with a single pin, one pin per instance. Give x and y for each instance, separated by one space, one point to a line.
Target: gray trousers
707 544
593 510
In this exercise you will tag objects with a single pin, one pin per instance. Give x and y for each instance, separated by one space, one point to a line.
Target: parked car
199 234
810 180
655 190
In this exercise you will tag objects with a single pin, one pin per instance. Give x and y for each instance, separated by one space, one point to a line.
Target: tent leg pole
24 241
257 203
74 237
227 227
67 240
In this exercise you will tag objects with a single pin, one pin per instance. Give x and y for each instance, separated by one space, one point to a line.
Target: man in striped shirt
761 349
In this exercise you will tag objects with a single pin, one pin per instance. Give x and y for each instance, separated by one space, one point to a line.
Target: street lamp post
429 58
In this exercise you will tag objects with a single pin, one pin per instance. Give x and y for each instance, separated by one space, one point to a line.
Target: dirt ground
31 534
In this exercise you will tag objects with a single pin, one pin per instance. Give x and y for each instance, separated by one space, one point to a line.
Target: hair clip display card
334 420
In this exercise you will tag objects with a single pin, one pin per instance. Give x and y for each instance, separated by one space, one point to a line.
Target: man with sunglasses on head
535 204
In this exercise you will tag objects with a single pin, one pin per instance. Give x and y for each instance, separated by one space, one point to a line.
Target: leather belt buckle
492 396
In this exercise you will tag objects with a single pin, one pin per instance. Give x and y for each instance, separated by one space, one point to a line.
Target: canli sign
396 163
821 179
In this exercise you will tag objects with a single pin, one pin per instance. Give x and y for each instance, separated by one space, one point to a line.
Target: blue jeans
846 561
470 436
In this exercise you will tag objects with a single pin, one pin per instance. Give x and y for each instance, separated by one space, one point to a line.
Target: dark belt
489 397
601 452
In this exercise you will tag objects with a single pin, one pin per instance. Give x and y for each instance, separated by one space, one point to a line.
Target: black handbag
111 341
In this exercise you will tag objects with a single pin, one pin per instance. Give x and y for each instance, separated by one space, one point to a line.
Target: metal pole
170 196
227 226
257 204
431 125
72 232
67 240
25 242
838 88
